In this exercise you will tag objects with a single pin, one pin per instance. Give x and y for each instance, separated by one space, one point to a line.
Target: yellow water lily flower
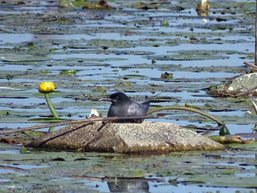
46 87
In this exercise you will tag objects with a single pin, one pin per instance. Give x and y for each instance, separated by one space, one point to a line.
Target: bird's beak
105 99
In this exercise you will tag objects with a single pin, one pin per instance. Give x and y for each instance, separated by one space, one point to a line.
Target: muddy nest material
126 138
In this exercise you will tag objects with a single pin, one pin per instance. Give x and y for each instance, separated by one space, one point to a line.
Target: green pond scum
91 49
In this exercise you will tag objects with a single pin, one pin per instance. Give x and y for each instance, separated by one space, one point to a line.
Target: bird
123 106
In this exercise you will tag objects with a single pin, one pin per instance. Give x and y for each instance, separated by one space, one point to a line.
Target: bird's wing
136 109
118 111
145 104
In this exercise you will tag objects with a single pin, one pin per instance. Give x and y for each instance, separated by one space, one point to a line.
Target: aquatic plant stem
186 109
251 65
50 106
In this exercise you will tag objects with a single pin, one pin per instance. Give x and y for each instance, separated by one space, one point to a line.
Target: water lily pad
72 3
110 43
190 55
102 5
47 119
22 58
68 72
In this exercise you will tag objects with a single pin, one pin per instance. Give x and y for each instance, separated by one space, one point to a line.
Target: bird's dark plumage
123 106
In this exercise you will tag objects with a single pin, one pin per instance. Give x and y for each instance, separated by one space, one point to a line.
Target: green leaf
23 149
228 172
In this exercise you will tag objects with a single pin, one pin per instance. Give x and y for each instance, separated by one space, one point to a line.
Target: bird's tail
151 98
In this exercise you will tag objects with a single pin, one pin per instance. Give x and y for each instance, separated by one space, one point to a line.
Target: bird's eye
115 99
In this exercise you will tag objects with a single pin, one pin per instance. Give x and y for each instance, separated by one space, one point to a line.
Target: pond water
124 49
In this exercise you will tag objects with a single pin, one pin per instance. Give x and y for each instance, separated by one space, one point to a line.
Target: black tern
123 106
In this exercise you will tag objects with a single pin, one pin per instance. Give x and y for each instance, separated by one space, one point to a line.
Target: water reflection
128 186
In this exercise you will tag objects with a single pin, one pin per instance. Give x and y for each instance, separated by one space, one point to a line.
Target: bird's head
119 97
